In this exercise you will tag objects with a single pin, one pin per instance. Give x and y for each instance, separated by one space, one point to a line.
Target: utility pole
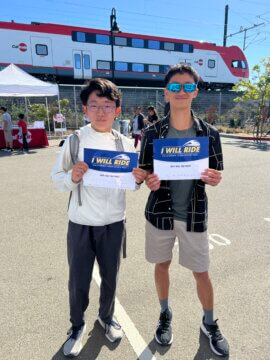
245 33
225 25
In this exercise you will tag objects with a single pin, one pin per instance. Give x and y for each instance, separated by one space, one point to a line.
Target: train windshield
239 64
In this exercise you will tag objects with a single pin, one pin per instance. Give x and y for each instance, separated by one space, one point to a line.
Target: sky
189 20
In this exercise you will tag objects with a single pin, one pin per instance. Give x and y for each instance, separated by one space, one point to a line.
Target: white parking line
136 341
267 219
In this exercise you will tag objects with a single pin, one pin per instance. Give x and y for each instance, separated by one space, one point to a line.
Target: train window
211 63
187 48
80 36
166 68
137 43
244 66
153 44
41 49
121 66
138 67
169 46
104 65
153 68
102 39
121 41
86 61
235 64
78 64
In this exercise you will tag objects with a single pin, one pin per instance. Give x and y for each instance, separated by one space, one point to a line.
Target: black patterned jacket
158 209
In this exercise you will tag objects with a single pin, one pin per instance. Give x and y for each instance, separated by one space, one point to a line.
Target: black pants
25 144
84 245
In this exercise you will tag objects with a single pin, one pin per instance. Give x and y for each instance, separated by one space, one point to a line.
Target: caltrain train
71 54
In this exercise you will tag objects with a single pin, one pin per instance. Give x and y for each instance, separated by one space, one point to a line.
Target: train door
211 65
41 51
82 64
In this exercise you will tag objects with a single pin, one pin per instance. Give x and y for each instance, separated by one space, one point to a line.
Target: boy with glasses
96 226
178 208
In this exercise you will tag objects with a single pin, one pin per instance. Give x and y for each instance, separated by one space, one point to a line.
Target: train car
71 54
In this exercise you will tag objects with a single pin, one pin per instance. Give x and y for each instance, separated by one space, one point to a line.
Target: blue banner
110 161
181 149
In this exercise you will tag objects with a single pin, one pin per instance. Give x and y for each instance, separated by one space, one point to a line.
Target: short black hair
3 108
181 69
21 116
102 88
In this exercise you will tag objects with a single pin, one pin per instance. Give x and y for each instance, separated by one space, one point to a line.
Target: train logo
22 47
199 62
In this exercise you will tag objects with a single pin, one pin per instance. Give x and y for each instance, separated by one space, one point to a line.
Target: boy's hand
211 177
139 175
78 171
153 182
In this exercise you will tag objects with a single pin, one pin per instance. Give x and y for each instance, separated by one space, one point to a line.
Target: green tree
259 91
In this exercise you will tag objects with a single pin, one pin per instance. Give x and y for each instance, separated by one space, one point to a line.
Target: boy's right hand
153 182
78 170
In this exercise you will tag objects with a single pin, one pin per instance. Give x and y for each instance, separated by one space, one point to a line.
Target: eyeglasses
176 87
105 108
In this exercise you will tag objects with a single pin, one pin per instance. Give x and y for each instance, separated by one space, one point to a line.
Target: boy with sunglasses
178 208
96 227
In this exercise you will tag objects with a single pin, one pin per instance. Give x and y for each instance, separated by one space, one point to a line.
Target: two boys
174 209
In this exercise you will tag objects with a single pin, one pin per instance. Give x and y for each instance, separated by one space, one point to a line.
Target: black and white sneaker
73 346
218 344
113 330
163 334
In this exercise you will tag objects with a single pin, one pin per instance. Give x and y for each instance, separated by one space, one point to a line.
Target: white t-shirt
6 121
100 206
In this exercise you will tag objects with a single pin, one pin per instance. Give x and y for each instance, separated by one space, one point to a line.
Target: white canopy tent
18 83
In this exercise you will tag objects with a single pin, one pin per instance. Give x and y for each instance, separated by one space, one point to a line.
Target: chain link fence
216 107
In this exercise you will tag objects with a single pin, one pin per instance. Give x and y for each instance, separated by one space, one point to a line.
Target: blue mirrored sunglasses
176 87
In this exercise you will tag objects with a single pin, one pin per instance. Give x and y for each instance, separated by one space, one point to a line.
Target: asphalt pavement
33 266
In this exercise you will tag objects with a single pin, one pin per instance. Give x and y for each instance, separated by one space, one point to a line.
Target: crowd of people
175 209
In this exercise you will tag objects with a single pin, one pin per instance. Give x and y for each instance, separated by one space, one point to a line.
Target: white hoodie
100 206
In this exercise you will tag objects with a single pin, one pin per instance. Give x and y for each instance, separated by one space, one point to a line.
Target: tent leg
26 108
59 108
47 109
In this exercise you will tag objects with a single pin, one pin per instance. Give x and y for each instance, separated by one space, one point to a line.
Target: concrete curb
232 136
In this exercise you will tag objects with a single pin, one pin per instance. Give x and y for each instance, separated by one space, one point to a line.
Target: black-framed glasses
107 109
176 87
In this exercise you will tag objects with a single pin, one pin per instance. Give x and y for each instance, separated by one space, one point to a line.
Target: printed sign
110 169
181 159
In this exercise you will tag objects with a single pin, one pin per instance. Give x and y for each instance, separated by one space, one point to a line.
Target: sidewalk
243 137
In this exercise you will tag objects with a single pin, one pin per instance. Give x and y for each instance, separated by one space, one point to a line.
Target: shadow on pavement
92 347
16 153
154 347
204 352
249 145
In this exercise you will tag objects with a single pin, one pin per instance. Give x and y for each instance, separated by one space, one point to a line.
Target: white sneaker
73 346
113 331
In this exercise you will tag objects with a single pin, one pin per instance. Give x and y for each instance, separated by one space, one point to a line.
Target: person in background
7 127
152 116
137 126
23 130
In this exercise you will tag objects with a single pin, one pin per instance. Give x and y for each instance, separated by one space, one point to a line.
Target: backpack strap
120 147
74 144
118 141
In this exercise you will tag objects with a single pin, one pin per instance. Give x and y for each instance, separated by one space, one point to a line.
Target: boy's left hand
139 175
211 177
